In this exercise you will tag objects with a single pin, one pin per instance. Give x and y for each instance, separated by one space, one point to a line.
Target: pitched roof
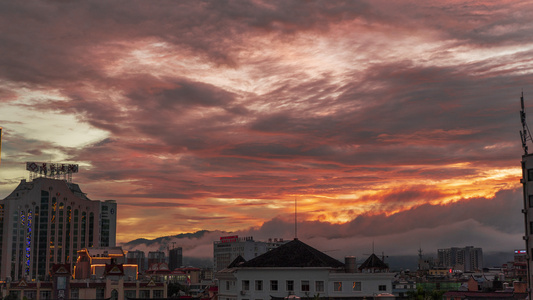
373 262
293 254
237 262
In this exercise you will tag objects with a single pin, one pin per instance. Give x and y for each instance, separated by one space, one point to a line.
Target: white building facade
263 280
47 221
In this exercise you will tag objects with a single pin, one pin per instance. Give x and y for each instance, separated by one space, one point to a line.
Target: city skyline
388 121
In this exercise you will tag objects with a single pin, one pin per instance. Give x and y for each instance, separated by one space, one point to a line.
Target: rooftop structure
298 270
47 221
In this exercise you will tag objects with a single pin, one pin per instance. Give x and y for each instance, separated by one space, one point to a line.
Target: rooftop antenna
525 134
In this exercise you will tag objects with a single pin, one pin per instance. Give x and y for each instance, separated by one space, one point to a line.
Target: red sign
229 239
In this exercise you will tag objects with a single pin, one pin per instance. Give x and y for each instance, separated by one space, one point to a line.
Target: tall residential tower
47 221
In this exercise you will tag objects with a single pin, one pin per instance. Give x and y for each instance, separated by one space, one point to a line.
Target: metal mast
525 134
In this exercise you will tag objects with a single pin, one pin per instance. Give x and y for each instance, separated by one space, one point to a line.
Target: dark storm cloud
182 93
58 42
330 99
426 216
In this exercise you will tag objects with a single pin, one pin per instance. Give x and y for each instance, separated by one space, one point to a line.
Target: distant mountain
164 240
198 250
196 245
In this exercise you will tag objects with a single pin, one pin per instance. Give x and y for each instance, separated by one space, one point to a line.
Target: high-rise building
137 257
230 247
527 181
156 257
175 258
47 221
527 188
466 259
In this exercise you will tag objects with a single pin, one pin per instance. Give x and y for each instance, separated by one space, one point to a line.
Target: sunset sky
393 122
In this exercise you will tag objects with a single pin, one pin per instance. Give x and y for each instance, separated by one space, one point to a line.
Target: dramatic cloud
393 121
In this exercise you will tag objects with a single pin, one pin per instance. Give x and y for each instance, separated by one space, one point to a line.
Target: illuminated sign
229 239
520 252
51 169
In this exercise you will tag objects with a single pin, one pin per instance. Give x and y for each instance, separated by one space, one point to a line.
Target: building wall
175 258
527 181
225 252
46 221
137 257
155 257
90 289
304 283
465 259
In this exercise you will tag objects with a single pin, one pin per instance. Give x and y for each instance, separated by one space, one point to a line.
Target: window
144 294
130 294
337 286
356 287
530 175
100 293
530 227
273 285
305 285
44 295
290 285
245 285
319 286
382 288
30 294
531 201
259 285
158 294
227 285
74 293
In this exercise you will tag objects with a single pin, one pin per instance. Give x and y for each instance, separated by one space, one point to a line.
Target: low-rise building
111 286
299 270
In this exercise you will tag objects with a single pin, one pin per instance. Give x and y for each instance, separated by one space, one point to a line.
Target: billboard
51 169
229 239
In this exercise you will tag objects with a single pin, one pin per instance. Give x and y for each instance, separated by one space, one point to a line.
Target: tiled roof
373 262
294 254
